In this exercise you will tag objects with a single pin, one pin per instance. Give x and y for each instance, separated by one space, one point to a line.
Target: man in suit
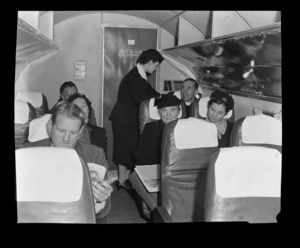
64 129
133 89
188 94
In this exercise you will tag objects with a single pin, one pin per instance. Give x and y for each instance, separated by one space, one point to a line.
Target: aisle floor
123 206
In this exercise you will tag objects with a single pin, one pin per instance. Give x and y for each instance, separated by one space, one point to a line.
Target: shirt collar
141 71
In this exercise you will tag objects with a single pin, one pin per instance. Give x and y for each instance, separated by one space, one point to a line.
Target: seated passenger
218 106
147 150
97 135
188 94
64 129
67 89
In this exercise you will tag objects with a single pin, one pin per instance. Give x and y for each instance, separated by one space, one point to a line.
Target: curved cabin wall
80 38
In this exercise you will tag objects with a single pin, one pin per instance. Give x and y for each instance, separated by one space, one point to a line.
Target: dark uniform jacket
98 137
148 149
133 90
89 154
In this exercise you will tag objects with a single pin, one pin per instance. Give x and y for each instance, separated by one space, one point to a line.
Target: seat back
53 186
257 130
187 146
148 113
200 110
244 184
37 99
24 114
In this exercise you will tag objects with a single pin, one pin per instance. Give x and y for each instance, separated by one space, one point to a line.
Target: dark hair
78 95
67 84
193 80
69 109
147 55
221 97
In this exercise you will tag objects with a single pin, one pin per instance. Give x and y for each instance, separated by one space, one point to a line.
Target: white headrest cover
35 98
195 133
21 112
48 174
248 171
177 94
203 108
37 128
262 129
153 110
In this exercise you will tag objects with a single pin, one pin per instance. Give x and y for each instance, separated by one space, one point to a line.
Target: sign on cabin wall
80 70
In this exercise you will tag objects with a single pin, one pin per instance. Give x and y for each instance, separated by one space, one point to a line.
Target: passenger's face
81 103
169 114
152 66
216 112
65 132
188 91
68 92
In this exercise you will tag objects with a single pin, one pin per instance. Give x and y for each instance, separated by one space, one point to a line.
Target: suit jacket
98 137
89 154
132 91
225 138
148 149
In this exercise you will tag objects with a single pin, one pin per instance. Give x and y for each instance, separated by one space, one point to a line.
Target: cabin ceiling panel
202 20
260 18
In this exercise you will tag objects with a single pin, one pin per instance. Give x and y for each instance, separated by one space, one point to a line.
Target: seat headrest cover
248 171
37 128
21 112
153 110
203 108
35 98
262 129
48 174
178 94
195 133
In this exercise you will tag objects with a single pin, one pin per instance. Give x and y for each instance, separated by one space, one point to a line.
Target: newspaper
149 175
97 173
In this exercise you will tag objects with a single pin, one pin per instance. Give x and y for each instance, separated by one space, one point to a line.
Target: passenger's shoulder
88 148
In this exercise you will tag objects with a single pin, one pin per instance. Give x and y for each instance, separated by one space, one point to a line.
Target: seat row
200 182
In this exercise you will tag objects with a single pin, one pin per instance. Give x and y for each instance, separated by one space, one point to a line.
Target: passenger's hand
102 191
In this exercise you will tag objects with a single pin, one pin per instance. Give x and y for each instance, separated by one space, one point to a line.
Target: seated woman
218 106
97 135
148 149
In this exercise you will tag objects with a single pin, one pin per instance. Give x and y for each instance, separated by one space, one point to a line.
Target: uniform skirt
125 137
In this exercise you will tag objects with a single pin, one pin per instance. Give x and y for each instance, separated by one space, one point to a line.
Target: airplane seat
243 184
200 111
187 146
37 99
257 130
148 113
37 128
51 189
24 114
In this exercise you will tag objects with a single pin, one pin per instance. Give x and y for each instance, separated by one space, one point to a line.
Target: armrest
161 215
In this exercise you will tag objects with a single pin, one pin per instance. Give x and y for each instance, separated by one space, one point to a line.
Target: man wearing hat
147 150
218 106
